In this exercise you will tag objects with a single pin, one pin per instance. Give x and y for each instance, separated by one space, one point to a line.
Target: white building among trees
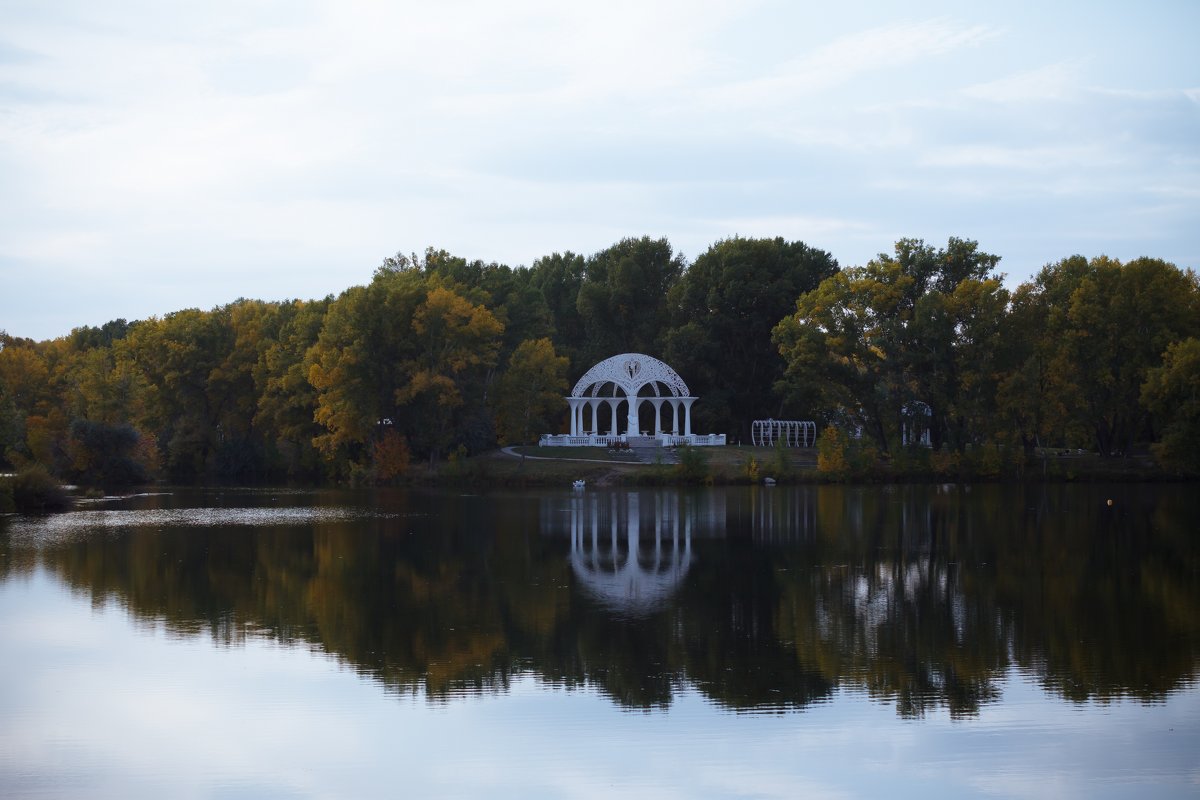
631 398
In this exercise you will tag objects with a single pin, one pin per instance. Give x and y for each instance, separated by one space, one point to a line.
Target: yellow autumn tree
357 362
529 397
831 453
391 456
457 344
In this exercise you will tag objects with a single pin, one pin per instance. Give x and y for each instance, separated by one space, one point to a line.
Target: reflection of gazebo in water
631 551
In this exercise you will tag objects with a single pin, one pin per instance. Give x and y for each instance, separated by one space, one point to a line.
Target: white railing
711 440
694 440
607 440
587 440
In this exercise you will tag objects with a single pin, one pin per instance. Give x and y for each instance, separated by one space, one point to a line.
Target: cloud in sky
158 156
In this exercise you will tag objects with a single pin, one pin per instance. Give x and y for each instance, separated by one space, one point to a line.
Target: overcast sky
160 155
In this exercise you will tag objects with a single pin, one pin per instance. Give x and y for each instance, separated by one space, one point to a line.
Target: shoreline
727 466
530 467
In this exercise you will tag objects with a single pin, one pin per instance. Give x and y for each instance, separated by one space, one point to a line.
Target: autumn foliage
438 355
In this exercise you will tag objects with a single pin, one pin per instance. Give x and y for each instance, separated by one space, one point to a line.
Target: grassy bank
734 465
37 492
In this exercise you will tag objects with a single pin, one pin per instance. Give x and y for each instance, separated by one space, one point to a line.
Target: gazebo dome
631 372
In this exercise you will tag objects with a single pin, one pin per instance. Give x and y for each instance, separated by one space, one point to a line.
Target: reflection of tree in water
1104 600
876 600
760 599
926 595
656 616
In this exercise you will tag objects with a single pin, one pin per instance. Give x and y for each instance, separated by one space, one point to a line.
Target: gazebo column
631 419
613 403
657 401
593 404
576 417
674 416
687 415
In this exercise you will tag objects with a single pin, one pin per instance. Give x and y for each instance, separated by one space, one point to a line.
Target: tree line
439 357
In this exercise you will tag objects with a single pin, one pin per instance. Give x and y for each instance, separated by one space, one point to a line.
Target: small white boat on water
579 484
768 481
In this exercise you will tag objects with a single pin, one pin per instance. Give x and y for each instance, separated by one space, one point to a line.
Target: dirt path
508 451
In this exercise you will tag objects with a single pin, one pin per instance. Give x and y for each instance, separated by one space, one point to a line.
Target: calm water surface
817 641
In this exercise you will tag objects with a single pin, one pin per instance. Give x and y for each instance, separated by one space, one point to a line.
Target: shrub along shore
34 491
743 465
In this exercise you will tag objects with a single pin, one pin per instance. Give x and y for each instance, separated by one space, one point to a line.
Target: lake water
748 642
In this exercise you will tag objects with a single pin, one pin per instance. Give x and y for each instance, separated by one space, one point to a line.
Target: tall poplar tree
723 310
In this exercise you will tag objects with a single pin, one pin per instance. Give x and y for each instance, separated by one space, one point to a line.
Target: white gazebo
626 383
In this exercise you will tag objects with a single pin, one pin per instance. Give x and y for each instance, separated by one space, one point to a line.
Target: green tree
917 325
241 444
693 464
358 361
969 329
623 298
1121 319
557 278
187 395
104 455
24 377
1172 393
724 308
1036 391
509 294
457 343
287 402
529 395
833 366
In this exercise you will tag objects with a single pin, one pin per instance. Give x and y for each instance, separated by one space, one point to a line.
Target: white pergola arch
633 379
792 432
